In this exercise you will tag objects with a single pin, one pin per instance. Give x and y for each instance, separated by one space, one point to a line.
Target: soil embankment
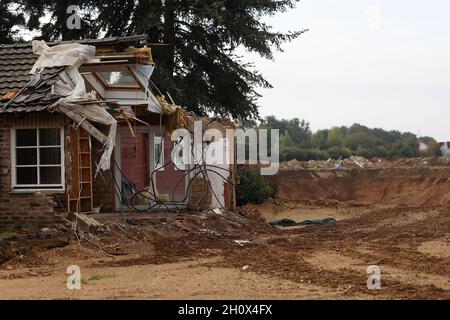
416 187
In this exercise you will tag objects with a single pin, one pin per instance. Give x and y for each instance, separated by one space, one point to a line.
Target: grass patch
6 235
30 227
96 277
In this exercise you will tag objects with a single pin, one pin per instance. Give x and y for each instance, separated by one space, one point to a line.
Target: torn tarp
63 55
75 103
84 113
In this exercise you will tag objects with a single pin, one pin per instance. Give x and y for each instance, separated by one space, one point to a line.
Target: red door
134 159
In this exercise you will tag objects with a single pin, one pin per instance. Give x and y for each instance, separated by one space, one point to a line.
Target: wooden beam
106 62
93 131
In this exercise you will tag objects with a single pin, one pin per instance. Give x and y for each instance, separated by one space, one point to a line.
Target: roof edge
111 40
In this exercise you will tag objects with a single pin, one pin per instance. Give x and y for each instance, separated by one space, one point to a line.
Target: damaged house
84 129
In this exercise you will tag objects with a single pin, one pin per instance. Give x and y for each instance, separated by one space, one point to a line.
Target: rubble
356 162
84 223
242 242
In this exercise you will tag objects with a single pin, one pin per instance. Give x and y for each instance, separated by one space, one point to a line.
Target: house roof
15 65
95 42
16 62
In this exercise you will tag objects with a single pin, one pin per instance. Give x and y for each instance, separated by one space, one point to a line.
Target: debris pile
355 162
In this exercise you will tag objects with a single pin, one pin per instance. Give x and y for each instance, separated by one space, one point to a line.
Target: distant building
445 148
423 147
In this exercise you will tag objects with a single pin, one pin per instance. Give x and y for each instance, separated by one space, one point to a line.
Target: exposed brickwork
36 209
103 184
20 209
198 197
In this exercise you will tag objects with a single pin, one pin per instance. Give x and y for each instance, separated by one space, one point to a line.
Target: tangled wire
134 199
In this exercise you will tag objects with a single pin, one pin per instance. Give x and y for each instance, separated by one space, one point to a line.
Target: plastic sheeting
70 54
143 74
96 113
75 103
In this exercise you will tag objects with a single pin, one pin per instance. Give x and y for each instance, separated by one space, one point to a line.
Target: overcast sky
381 63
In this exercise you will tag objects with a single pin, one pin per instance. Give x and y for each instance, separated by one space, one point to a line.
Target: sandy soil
195 256
183 280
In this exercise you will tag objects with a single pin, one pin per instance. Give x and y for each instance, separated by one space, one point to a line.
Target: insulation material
175 115
75 103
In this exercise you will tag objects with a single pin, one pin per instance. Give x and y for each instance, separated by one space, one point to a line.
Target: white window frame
127 71
157 139
37 187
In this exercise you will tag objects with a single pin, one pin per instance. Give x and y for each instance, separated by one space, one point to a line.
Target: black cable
151 195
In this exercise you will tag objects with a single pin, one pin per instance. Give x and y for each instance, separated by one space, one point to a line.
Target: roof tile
16 63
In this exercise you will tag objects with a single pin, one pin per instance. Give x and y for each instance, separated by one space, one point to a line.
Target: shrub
380 152
366 153
291 153
253 188
315 154
339 152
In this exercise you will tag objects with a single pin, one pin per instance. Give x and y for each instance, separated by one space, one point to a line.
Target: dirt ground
196 255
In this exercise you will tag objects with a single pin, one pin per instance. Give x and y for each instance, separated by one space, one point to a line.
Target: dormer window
118 79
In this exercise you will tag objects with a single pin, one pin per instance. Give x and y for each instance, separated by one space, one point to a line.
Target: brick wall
103 184
20 209
34 209
199 198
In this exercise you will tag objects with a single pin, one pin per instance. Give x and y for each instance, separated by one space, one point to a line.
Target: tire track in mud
387 236
390 236
272 261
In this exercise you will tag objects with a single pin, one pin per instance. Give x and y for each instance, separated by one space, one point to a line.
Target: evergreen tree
196 55
8 20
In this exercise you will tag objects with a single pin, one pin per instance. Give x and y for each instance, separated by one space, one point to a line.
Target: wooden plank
86 126
86 200
107 62
74 192
81 175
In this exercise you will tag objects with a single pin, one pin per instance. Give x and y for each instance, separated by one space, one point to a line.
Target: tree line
297 141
